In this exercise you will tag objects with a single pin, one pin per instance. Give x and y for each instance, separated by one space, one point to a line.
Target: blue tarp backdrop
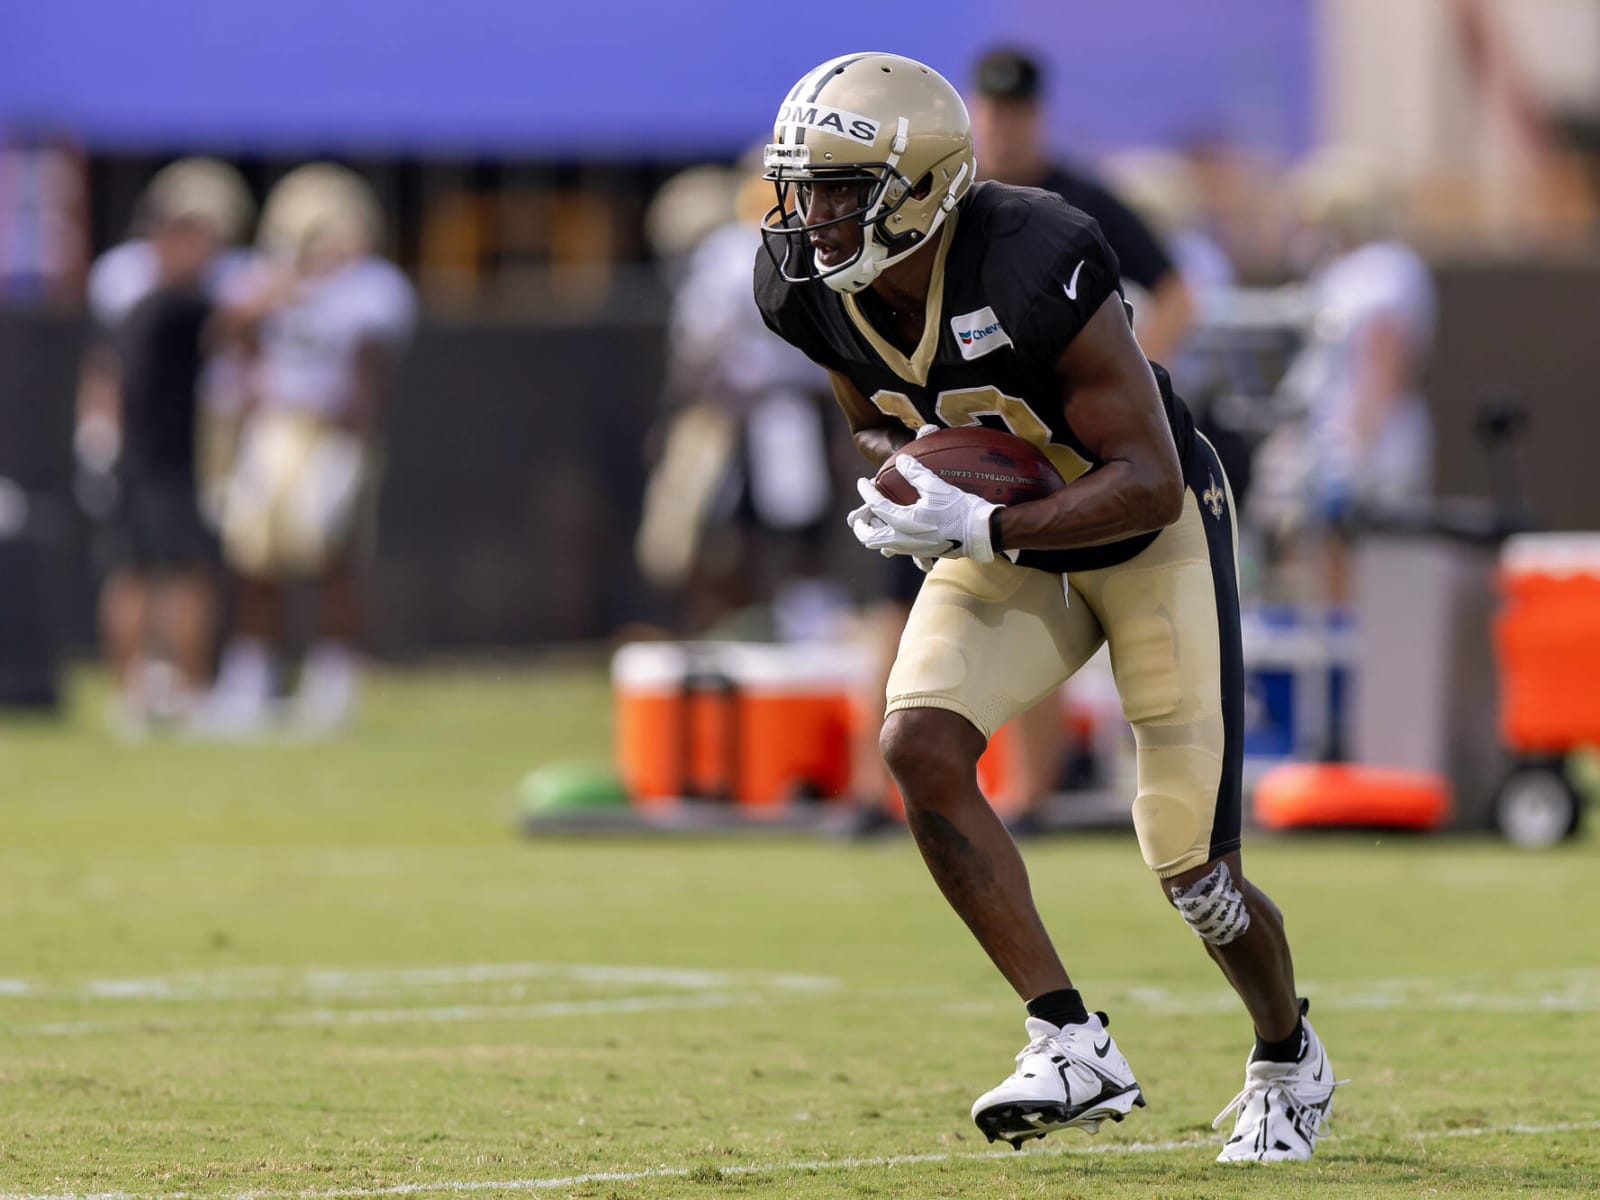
617 78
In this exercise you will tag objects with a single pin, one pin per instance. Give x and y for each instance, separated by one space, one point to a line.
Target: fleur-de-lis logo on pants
1214 497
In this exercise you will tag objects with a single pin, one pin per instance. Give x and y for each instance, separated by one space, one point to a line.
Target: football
998 466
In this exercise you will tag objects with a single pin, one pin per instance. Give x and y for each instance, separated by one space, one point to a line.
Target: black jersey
1018 275
162 359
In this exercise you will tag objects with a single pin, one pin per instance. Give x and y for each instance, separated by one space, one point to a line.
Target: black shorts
158 526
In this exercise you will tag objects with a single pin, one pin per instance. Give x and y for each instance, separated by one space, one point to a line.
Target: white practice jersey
719 349
722 353
1382 283
309 348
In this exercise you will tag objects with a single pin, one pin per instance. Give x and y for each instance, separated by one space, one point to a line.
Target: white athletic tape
1214 907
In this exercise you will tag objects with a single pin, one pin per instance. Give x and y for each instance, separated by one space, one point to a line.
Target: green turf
229 974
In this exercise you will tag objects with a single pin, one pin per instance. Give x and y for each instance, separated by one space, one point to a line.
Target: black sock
1288 1050
1059 1008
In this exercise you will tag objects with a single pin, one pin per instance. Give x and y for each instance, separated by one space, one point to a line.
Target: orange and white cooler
1548 640
762 725
757 724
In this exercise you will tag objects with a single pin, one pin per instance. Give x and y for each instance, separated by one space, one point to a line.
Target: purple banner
615 77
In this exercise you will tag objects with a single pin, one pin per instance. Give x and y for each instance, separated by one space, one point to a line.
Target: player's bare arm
239 320
1383 375
1115 409
877 435
99 401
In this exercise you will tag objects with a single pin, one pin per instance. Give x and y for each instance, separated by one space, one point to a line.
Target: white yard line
826 1164
397 1016
1576 989
1559 990
269 982
504 1012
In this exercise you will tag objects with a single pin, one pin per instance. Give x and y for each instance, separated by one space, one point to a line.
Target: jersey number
964 406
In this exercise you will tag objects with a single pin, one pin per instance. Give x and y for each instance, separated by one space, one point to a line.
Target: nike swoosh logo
950 545
1317 1074
1102 1051
1071 289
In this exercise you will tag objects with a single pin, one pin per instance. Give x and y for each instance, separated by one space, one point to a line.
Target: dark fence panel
38 377
1528 331
512 485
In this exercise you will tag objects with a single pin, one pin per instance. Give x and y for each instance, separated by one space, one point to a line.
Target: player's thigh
986 641
1171 618
301 488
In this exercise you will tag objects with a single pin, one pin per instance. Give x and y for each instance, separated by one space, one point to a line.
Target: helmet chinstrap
786 233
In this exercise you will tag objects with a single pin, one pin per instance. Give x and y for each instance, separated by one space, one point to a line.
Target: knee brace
1213 907
1174 813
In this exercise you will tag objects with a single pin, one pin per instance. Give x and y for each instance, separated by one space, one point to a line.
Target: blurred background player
1176 192
323 319
738 509
138 433
1359 443
1162 188
1009 135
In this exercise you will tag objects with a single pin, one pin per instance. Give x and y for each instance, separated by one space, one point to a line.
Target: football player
1362 443
933 302
325 317
1008 118
148 385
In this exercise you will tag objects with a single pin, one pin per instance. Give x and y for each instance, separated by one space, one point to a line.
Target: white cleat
1073 1076
234 716
326 699
1283 1108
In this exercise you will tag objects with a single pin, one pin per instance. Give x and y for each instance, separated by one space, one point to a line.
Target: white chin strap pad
859 275
1214 907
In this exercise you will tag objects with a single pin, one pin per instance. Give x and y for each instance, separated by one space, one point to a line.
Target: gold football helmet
199 189
320 208
891 125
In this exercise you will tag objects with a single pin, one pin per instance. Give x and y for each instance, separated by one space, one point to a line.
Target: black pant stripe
1205 477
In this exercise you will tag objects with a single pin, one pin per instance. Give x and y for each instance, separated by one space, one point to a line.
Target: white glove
945 522
925 565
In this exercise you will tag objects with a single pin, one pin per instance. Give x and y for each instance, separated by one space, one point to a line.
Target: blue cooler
1297 684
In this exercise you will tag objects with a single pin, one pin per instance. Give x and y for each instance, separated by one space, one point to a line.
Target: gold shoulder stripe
914 369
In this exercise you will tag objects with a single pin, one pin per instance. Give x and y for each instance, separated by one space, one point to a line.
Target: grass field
339 970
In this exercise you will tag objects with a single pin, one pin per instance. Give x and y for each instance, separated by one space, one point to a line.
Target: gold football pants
989 641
